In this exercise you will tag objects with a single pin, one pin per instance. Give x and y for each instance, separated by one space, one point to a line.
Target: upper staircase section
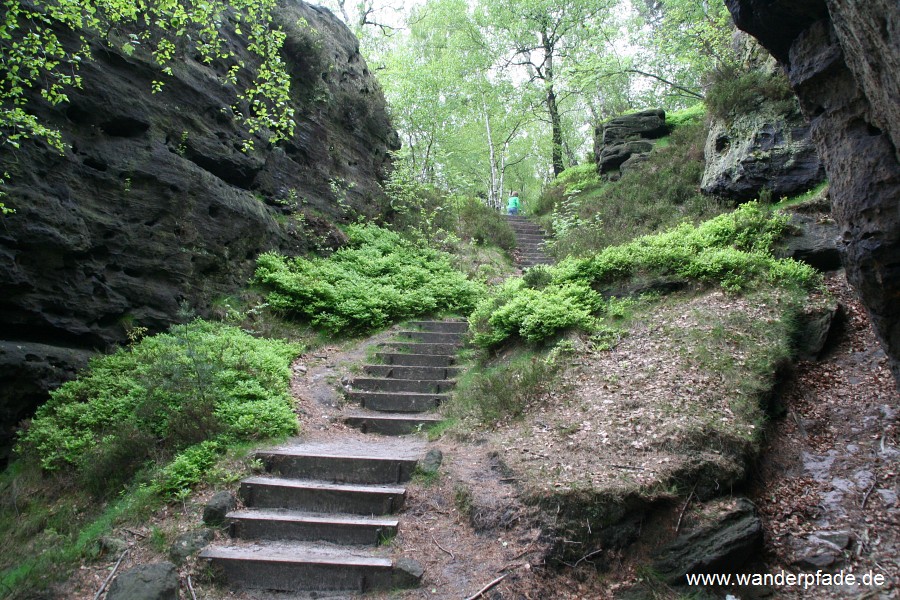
530 241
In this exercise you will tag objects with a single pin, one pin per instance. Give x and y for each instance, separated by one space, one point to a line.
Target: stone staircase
317 521
530 239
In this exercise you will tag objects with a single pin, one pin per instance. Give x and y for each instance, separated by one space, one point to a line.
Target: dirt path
829 478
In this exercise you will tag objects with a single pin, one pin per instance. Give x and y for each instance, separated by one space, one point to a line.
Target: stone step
321 496
397 401
422 373
419 386
441 326
422 348
287 525
302 567
362 467
391 424
433 337
529 237
416 360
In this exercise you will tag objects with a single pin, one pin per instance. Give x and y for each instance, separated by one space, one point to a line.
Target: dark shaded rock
817 560
617 140
813 240
154 204
407 573
723 546
157 581
843 61
432 461
648 124
612 157
190 543
760 150
218 506
28 371
813 328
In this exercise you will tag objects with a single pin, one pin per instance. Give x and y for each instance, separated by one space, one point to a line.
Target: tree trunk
556 129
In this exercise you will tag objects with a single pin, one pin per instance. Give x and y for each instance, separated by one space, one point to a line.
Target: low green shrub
732 250
734 92
179 392
686 116
377 279
484 225
490 393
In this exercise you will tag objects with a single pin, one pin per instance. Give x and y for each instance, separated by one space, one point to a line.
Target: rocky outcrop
768 148
731 538
843 61
625 138
761 150
154 205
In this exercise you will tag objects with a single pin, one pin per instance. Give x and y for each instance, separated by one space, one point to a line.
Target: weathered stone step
441 326
302 567
422 348
419 386
433 337
347 468
391 424
423 373
277 524
397 401
416 360
320 496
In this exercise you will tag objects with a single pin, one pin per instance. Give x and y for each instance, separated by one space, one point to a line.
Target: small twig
191 588
111 574
442 548
523 552
628 467
481 592
135 533
683 509
869 491
587 556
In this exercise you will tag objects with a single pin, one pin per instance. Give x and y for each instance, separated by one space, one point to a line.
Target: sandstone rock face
843 61
760 150
624 137
155 204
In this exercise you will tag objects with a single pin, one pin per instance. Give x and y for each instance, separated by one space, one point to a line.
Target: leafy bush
732 250
579 176
165 395
685 116
484 225
735 92
378 278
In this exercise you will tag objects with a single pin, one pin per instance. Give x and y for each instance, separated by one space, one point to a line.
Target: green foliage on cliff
732 250
378 278
34 56
173 399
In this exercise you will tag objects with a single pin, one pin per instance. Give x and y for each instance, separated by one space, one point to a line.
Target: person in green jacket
512 205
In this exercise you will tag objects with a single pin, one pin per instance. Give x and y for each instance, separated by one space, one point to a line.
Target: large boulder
763 149
768 148
154 204
621 138
843 61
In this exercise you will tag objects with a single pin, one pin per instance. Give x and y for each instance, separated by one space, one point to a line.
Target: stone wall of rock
769 148
843 61
155 205
624 141
763 149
